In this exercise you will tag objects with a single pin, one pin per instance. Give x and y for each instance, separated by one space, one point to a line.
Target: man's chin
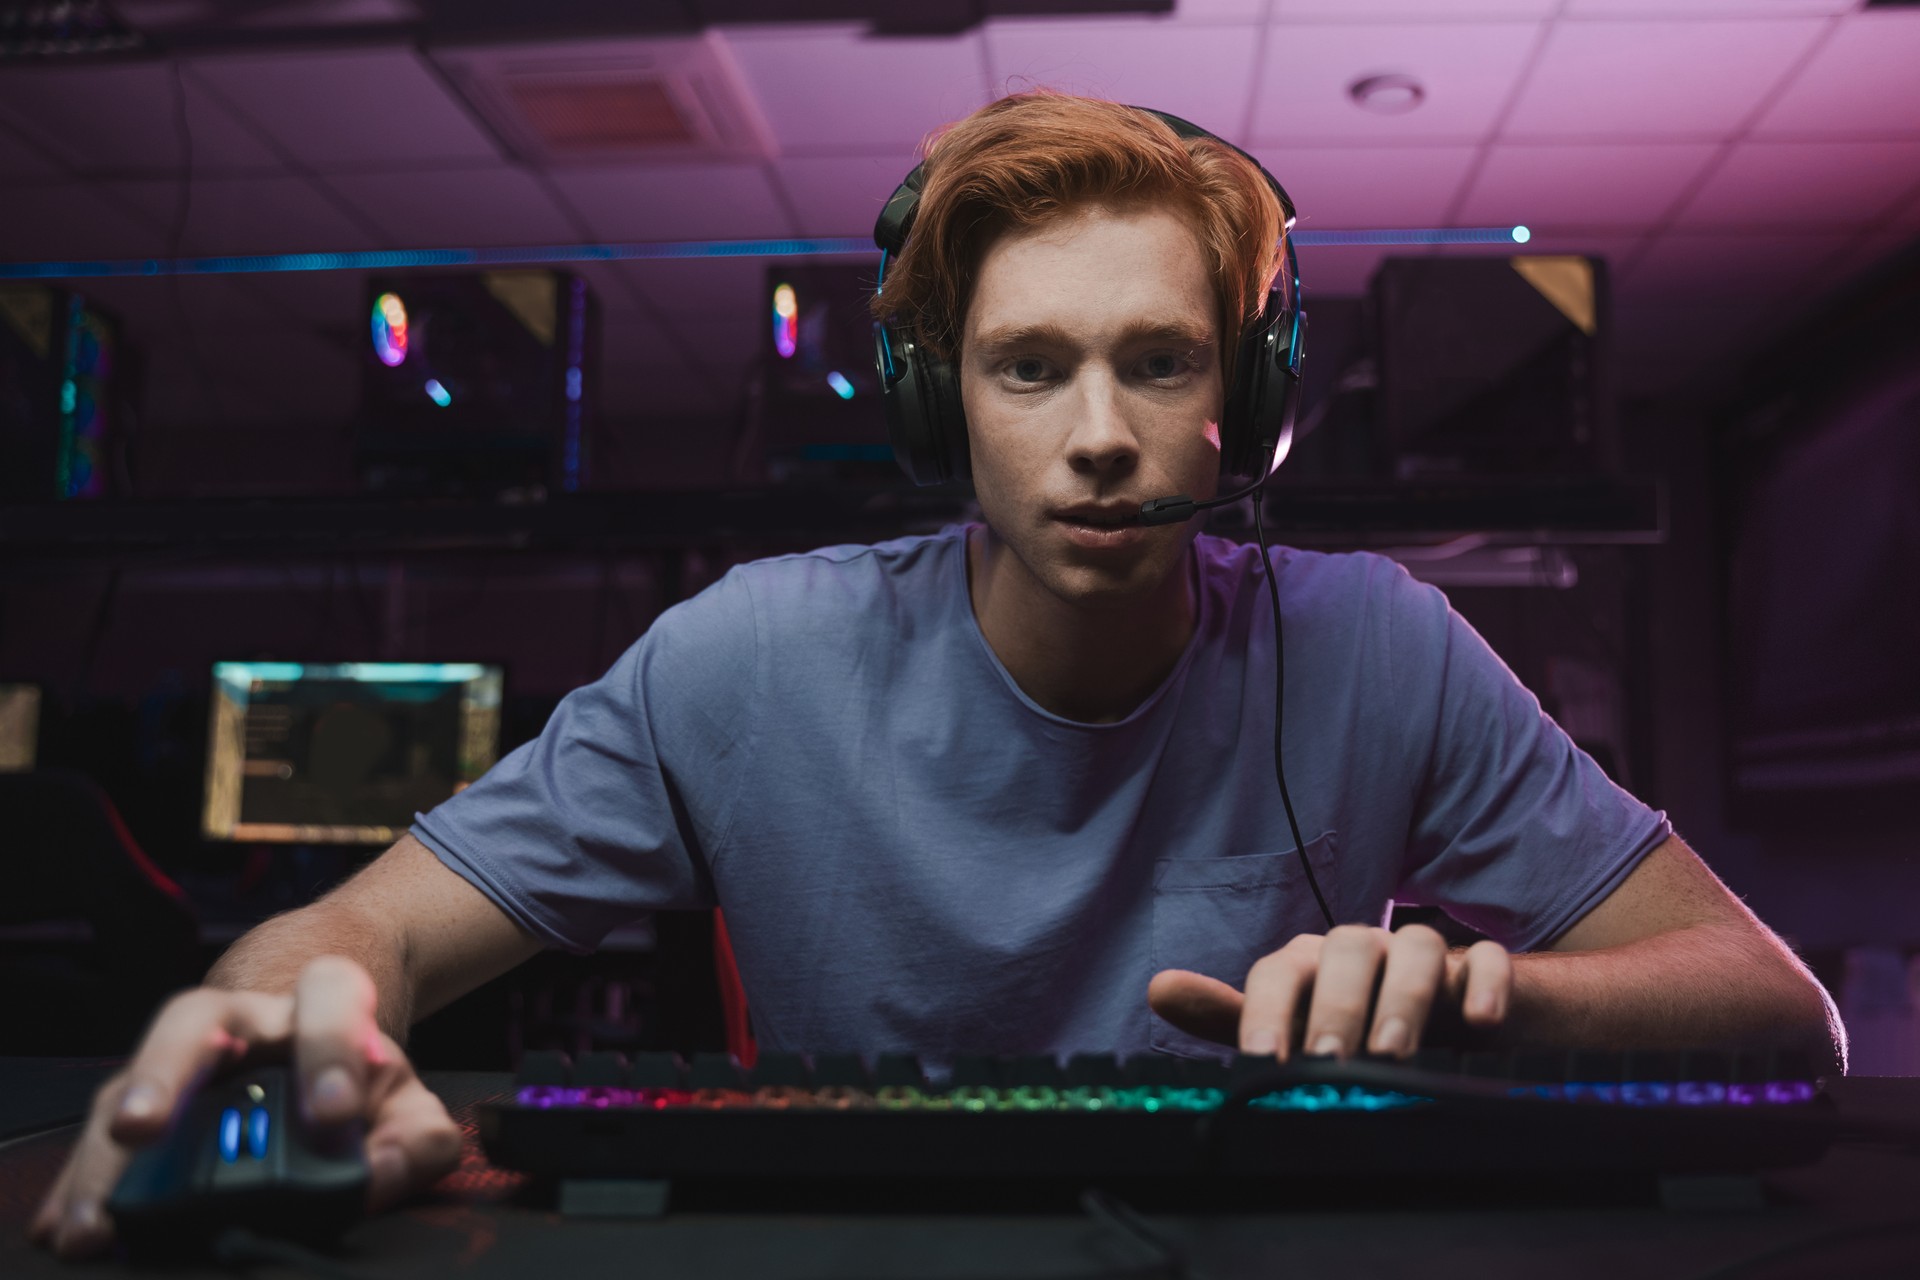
1109 586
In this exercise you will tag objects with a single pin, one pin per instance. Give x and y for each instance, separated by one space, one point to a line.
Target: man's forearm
271 956
1695 987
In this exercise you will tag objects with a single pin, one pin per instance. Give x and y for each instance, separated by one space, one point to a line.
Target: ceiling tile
1191 11
119 118
841 195
1339 187
675 202
1861 83
1416 10
1656 79
1728 267
1704 8
366 107
906 87
1202 73
1582 185
1805 184
249 215
490 206
1467 69
64 221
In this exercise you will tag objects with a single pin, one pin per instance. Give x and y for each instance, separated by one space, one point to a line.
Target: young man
1010 788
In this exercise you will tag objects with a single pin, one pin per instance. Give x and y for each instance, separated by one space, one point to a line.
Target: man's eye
1030 369
1162 366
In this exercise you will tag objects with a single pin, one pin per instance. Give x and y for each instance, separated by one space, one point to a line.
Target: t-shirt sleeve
1516 832
615 808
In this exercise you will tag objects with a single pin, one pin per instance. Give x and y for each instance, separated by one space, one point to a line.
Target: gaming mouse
240 1154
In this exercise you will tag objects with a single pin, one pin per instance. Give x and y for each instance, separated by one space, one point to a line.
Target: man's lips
1105 515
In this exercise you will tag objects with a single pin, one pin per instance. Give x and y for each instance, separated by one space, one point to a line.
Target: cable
182 215
1279 713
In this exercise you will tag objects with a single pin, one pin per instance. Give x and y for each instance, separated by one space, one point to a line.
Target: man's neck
1094 666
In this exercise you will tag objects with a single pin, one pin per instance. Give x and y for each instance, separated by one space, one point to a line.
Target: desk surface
483 1223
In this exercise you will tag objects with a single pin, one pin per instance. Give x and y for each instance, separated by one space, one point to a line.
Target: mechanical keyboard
1520 1116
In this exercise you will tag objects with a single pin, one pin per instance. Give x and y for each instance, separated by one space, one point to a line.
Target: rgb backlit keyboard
1097 1116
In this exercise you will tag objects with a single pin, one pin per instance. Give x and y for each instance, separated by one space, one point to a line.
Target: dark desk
483 1223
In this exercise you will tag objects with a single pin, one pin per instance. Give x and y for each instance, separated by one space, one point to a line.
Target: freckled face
1090 372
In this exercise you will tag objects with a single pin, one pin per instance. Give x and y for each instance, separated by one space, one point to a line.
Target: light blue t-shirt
912 854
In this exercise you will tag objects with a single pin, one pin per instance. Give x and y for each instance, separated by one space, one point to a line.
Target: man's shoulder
832 585
1310 579
852 566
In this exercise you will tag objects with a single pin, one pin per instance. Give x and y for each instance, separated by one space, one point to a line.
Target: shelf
1555 511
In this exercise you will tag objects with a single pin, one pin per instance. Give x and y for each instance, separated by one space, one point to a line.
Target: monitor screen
343 753
19 726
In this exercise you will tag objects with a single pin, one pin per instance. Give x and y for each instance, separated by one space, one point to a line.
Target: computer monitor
19 726
343 753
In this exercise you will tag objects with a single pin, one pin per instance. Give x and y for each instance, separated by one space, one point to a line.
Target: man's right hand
346 1067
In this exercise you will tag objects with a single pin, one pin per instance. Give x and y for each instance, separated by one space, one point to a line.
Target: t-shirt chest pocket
1218 915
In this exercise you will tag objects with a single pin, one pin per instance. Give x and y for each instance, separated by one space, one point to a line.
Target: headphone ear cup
1256 428
1240 420
924 419
947 417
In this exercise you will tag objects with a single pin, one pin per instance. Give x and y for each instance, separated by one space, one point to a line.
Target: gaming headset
928 426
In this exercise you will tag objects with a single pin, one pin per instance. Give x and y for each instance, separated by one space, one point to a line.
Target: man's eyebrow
1012 336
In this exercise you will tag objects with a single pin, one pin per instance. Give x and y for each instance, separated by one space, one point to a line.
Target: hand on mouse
345 1064
1357 989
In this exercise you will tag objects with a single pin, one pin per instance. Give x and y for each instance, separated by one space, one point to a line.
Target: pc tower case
477 384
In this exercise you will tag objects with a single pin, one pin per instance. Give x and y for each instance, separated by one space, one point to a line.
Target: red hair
1029 158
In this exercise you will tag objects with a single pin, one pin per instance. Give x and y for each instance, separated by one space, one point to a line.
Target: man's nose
1103 438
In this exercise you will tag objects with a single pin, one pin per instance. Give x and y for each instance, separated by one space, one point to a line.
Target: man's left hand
1357 989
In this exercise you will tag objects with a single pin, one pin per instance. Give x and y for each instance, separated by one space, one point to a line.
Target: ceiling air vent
607 102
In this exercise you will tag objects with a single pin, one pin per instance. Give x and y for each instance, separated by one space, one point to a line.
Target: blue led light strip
401 259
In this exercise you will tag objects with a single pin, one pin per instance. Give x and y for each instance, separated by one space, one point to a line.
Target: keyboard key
1486 1065
1151 1069
547 1067
840 1071
657 1071
1094 1069
600 1071
1706 1066
971 1071
1205 1073
1651 1066
715 1071
898 1070
1538 1066
780 1071
1039 1069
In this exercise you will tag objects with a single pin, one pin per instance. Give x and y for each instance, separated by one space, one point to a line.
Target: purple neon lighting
786 321
390 329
